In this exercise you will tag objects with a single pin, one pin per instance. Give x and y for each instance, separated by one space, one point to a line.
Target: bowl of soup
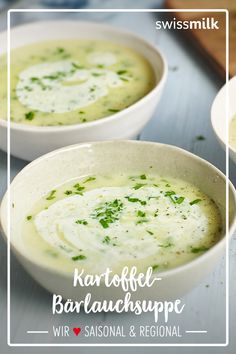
73 81
117 204
223 118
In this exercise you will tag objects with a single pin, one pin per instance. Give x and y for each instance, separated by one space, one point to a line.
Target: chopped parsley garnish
34 79
106 240
179 200
104 223
138 186
169 244
199 249
108 212
150 232
29 217
76 66
30 115
97 74
121 72
81 222
143 177
142 221
155 266
112 110
172 195
195 201
141 214
78 187
89 179
60 50
51 195
80 257
169 193
136 200
68 192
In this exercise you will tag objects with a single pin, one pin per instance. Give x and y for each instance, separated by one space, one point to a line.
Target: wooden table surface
182 115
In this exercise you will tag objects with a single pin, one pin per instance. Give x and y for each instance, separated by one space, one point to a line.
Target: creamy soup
232 132
117 220
73 81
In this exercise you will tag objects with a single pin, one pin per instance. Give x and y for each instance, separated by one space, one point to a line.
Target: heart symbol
76 330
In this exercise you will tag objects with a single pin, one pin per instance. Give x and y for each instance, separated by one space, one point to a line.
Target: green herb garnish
29 115
106 240
60 50
174 198
80 257
34 79
97 74
104 223
136 200
150 232
195 201
29 217
81 222
169 244
199 249
155 266
68 192
51 195
138 186
121 72
108 212
142 221
76 66
78 187
89 179
179 200
113 110
143 177
141 214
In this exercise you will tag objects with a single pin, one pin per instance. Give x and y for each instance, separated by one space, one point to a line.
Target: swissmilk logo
205 23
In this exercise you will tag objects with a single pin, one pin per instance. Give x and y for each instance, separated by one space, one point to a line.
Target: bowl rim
223 91
113 117
163 274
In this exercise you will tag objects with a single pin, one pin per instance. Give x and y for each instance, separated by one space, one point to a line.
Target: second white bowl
29 142
219 119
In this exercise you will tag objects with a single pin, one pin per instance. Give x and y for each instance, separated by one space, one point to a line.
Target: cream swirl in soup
113 221
73 81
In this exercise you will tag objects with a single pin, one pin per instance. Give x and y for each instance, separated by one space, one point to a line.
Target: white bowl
219 119
43 174
29 142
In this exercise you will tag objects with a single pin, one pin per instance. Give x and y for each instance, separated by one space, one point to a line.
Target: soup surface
112 221
232 132
72 81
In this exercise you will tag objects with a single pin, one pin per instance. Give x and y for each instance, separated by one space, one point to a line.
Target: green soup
121 220
73 81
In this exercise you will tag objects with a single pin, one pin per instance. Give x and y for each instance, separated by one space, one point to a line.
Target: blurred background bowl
29 142
219 119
